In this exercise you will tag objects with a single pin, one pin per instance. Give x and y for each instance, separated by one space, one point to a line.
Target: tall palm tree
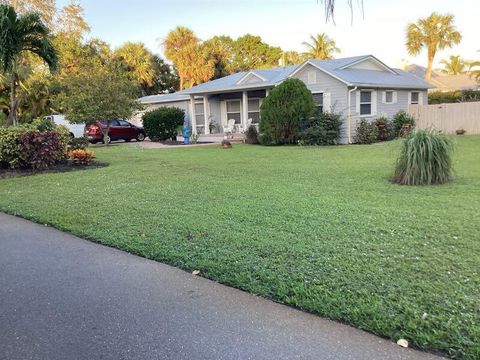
18 35
475 73
138 61
177 40
454 66
321 47
435 32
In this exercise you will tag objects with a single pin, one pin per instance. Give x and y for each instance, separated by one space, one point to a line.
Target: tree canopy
435 32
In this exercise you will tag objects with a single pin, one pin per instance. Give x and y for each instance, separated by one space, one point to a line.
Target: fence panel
448 117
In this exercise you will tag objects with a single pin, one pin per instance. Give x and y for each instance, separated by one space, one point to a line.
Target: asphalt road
62 297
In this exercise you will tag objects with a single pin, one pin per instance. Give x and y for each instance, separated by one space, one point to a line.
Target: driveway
62 297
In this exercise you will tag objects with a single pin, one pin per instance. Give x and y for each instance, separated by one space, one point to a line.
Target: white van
76 130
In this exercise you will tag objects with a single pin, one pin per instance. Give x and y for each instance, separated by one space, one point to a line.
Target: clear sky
380 30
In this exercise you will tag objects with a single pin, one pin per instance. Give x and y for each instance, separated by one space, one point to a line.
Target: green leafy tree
165 79
71 20
475 73
46 9
18 35
321 47
83 100
293 58
250 52
434 33
283 111
219 49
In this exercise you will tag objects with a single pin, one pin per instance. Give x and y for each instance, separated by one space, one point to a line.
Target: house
442 82
360 87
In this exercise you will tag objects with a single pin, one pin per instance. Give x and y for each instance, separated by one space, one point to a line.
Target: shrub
322 129
251 135
439 97
81 156
367 133
401 119
425 159
41 150
385 128
11 155
283 111
78 143
162 123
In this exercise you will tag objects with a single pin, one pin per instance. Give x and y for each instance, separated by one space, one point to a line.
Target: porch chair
244 129
230 128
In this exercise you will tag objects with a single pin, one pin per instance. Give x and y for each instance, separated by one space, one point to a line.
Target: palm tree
456 65
177 40
19 35
435 32
475 73
321 47
137 60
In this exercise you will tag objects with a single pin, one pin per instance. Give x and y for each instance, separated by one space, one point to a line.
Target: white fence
448 117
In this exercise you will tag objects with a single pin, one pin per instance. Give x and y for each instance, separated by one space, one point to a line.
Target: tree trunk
12 115
106 138
428 73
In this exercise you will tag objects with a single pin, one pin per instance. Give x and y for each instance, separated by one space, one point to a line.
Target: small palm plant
425 159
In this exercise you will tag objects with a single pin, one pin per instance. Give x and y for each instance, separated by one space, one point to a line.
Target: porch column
193 119
244 110
267 91
206 112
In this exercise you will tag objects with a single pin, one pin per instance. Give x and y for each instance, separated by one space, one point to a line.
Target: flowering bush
81 156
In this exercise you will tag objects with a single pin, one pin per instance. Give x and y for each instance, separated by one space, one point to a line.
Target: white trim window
389 97
366 103
234 110
254 109
200 114
414 97
312 77
318 99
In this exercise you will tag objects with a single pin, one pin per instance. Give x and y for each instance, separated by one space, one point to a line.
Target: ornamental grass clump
425 159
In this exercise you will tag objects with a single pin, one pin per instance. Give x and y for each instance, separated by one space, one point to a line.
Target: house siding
184 105
338 94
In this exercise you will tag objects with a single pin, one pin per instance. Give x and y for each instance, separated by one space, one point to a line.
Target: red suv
119 130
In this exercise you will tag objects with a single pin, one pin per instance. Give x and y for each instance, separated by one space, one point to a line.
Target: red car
119 130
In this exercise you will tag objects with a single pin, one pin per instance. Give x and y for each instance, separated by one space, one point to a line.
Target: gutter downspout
350 113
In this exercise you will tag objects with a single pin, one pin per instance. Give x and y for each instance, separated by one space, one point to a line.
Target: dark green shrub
401 119
251 135
80 143
439 97
11 155
367 132
322 129
162 123
283 111
41 150
425 159
385 129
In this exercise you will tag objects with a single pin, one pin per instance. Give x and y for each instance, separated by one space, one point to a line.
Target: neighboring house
443 82
360 87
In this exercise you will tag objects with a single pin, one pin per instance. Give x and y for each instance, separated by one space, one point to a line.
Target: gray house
356 87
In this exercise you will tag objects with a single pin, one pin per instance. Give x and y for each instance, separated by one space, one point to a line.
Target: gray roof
173 97
394 78
228 83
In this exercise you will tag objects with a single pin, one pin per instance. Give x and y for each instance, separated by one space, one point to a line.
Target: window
254 110
199 114
388 97
112 123
312 77
124 123
414 96
233 110
318 100
365 103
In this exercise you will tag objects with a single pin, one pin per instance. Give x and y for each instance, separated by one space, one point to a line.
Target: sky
378 30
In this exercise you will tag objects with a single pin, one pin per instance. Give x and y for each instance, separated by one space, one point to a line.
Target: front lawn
321 229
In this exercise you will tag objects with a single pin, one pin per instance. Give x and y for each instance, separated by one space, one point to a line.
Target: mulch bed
62 167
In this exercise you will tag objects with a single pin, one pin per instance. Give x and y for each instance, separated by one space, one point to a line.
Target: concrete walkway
62 297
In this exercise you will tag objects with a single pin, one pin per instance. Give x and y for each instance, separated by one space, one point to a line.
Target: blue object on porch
186 134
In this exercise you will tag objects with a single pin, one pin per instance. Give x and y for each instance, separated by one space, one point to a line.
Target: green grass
321 229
